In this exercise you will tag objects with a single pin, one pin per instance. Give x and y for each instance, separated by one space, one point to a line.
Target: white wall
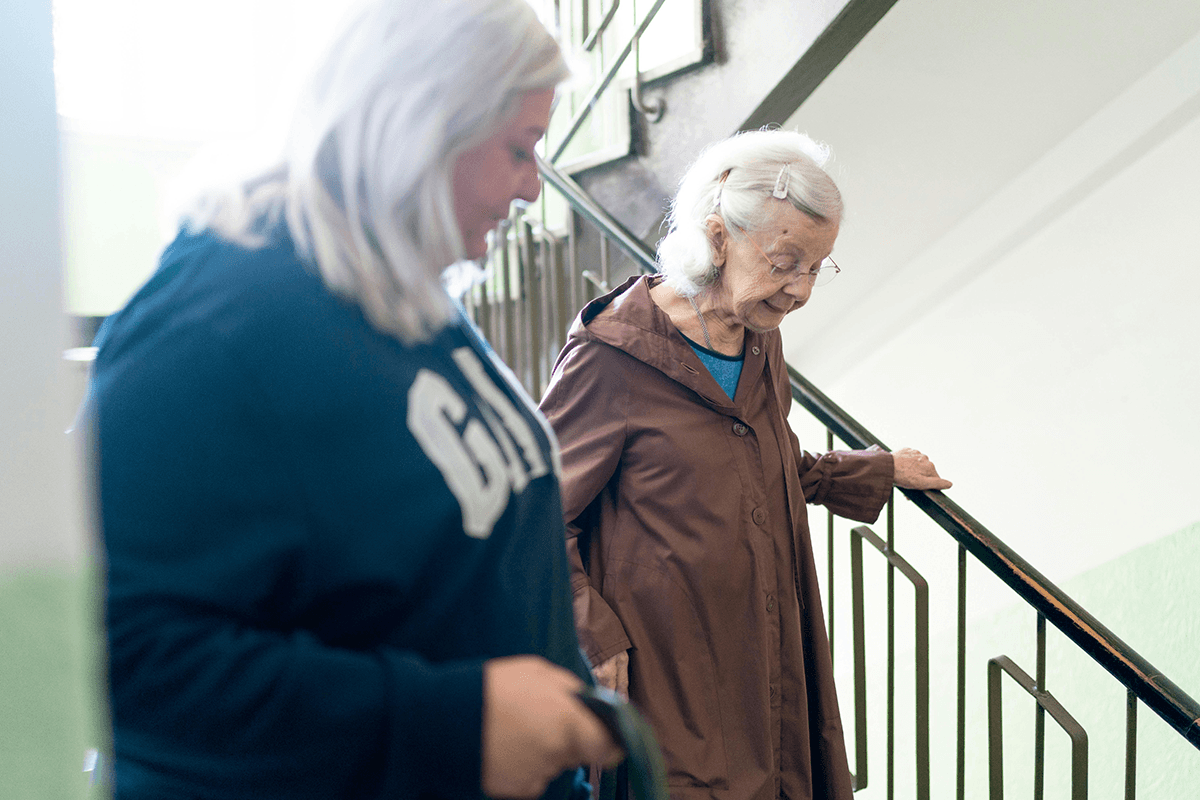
1021 300
1038 337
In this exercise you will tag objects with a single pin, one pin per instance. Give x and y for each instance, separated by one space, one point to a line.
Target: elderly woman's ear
718 238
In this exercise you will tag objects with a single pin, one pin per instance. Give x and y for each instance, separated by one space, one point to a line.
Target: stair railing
586 108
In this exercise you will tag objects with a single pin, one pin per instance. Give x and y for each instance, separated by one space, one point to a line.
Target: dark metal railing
527 300
586 108
1149 685
565 292
920 654
1142 681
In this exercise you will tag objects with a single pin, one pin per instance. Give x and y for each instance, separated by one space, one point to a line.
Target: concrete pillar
48 688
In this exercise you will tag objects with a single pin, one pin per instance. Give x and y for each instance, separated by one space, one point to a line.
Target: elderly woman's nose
799 289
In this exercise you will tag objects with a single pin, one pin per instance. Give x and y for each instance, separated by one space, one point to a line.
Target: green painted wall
49 667
1148 598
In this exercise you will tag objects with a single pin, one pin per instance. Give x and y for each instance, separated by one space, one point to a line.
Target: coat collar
638 327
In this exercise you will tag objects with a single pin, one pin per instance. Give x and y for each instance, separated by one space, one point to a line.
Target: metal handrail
652 111
1175 706
586 109
590 210
602 27
1160 694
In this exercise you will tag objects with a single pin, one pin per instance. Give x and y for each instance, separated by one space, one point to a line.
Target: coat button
770 603
740 428
755 350
759 516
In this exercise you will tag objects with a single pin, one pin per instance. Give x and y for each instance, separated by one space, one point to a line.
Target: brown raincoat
689 546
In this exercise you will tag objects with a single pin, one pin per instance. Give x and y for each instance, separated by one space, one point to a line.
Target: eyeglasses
826 272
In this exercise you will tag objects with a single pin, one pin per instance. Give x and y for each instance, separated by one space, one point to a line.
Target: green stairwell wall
1148 597
51 703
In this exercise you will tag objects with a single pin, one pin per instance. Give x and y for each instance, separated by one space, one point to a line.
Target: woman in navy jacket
331 517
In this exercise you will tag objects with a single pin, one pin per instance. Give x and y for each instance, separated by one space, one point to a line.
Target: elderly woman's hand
914 470
614 673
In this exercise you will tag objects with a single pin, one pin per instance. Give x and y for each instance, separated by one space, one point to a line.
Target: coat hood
628 319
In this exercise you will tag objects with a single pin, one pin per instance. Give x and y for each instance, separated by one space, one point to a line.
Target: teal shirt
726 369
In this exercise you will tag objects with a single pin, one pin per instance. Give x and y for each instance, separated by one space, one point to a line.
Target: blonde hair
366 181
733 179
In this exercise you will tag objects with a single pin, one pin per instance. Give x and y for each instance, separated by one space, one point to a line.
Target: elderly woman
686 493
331 518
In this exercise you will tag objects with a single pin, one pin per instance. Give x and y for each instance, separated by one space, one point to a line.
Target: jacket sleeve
215 677
855 484
585 404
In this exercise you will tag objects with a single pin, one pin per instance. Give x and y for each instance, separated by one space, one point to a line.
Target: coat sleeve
585 404
855 484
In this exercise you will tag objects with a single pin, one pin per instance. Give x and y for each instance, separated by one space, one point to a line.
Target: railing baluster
961 776
920 663
573 270
551 311
860 664
921 685
1130 745
531 328
508 345
1039 732
515 300
829 556
564 305
891 655
595 35
1079 741
995 735
605 263
490 317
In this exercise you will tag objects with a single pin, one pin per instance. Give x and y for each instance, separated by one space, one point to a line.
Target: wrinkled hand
614 674
914 470
534 727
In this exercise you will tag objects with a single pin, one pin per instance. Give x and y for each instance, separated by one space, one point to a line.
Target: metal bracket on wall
653 111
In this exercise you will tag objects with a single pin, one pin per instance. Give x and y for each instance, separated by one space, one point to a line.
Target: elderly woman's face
794 242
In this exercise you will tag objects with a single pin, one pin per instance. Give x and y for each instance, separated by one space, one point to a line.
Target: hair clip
721 187
781 183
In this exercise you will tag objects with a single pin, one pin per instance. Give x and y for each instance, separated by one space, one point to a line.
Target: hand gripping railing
1142 681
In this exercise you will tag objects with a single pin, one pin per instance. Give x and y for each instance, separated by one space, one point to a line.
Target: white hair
734 179
366 180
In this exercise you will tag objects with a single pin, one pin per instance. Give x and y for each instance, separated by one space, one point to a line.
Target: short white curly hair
734 179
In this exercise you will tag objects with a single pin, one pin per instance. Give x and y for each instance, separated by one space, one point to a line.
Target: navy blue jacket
315 536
